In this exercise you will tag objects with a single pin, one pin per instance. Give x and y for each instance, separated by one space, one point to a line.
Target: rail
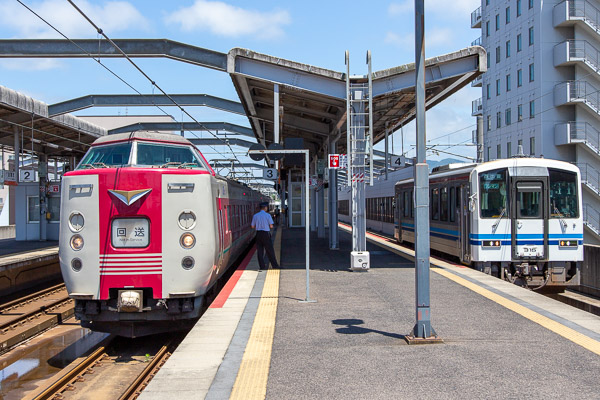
134 390
11 304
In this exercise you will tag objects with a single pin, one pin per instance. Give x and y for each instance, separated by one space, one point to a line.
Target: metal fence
585 10
591 217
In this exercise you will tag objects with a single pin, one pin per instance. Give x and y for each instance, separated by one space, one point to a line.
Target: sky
311 32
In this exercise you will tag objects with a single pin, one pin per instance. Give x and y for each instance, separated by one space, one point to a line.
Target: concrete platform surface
500 341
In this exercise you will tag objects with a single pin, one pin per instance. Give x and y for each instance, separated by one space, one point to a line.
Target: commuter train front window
167 156
493 200
563 194
529 199
112 155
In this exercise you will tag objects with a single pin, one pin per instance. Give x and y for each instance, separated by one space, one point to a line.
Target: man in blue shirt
262 222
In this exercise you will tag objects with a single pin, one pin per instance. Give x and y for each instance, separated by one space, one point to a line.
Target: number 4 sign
397 161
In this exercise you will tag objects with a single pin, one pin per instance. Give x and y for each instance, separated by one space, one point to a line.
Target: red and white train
147 228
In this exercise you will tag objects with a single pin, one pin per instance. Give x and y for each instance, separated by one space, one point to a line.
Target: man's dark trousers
263 242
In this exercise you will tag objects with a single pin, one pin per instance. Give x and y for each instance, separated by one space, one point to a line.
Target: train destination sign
130 232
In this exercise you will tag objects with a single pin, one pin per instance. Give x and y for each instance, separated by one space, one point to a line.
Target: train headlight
187 263
76 221
491 243
187 240
76 242
187 220
76 264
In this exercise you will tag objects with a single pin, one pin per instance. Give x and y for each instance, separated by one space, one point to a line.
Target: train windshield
563 194
114 155
492 188
167 156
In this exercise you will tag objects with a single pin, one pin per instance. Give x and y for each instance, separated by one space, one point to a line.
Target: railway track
28 316
119 363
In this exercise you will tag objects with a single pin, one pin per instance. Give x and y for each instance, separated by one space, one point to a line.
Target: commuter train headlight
76 242
187 263
76 264
76 221
491 243
568 243
187 240
187 220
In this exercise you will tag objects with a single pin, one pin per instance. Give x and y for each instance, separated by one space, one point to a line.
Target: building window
498 119
507 116
507 15
519 78
519 43
489 123
497 54
497 87
507 48
508 150
487 2
498 152
520 112
489 153
531 36
531 76
497 21
532 146
532 109
489 60
487 28
518 8
530 4
33 209
488 91
508 83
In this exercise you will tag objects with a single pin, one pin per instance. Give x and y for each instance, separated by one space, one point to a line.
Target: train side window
435 204
406 203
444 204
452 204
412 209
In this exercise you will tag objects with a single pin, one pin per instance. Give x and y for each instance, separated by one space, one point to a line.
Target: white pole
307 226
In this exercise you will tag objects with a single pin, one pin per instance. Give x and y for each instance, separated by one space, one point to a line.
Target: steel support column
321 213
17 148
333 209
359 223
422 328
313 210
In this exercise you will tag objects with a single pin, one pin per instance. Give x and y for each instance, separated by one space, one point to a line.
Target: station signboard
334 161
270 173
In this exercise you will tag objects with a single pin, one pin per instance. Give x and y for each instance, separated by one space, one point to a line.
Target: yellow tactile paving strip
251 381
556 327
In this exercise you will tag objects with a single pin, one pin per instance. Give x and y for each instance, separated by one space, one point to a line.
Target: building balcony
581 52
476 18
578 92
577 132
571 12
477 107
476 42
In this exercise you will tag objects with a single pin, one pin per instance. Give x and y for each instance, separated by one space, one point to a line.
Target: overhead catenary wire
153 82
97 59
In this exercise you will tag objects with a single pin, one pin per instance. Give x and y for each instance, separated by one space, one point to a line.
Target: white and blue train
519 219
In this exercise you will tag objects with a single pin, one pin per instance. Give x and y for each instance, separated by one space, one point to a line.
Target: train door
530 220
462 199
221 235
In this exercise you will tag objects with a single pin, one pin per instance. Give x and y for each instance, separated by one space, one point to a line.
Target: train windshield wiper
563 223
495 226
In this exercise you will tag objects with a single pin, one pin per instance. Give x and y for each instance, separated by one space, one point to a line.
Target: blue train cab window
112 155
492 190
563 194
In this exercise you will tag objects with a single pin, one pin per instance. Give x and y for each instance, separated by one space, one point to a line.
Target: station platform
261 341
26 264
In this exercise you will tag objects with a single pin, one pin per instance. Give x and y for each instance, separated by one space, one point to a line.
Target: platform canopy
63 135
312 100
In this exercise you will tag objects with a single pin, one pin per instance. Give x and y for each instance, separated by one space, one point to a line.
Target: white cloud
462 7
112 17
30 64
223 19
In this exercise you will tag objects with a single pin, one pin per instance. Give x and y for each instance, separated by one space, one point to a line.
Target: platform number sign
270 173
397 161
27 175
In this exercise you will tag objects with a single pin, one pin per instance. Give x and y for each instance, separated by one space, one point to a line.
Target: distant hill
436 163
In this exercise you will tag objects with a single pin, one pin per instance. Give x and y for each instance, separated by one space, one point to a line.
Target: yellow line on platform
556 327
251 381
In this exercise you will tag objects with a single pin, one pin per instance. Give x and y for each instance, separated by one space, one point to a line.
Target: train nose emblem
129 196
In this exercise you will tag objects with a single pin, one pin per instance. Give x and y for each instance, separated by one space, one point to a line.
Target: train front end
527 224
133 254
